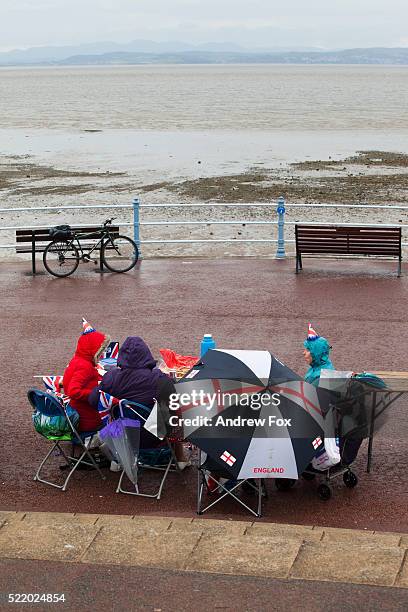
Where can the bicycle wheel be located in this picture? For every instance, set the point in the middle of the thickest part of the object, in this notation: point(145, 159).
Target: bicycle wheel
point(61, 258)
point(119, 254)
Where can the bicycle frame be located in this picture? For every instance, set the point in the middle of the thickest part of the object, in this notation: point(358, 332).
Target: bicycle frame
point(106, 235)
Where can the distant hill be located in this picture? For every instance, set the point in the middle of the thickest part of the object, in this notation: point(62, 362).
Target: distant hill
point(149, 52)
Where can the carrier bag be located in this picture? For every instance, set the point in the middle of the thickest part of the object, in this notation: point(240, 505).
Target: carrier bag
point(55, 427)
point(329, 455)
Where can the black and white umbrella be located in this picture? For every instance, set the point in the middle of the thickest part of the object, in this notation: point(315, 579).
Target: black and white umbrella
point(251, 414)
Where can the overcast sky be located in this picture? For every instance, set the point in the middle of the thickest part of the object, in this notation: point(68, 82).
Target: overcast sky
point(270, 23)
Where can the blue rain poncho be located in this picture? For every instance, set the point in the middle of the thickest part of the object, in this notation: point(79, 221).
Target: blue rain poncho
point(319, 349)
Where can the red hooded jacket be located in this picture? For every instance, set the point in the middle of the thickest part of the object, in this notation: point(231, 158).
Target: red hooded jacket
point(81, 376)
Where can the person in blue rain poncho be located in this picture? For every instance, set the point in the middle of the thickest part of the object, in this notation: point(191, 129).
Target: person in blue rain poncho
point(316, 353)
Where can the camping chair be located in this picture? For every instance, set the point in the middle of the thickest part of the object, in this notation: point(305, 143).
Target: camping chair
point(49, 405)
point(210, 471)
point(138, 411)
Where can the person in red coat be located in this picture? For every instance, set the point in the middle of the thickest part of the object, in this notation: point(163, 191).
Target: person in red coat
point(81, 376)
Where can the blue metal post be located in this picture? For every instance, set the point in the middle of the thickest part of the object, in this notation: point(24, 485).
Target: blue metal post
point(136, 224)
point(280, 251)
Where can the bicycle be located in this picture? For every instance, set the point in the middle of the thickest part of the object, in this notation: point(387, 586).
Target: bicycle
point(63, 254)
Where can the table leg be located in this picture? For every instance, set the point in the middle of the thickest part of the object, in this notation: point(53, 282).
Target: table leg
point(371, 434)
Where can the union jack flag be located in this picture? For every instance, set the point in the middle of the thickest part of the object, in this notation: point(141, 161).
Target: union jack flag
point(53, 383)
point(105, 405)
point(111, 351)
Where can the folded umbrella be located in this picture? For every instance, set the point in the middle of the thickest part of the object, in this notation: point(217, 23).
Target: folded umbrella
point(122, 437)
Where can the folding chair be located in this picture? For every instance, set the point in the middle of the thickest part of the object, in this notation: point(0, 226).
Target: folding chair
point(139, 411)
point(49, 405)
point(209, 471)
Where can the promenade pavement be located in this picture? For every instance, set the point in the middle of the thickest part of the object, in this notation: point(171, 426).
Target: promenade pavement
point(280, 564)
point(259, 304)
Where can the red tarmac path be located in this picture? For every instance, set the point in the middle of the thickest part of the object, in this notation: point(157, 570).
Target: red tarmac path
point(247, 303)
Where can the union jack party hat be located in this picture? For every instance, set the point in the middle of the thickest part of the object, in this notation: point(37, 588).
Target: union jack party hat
point(87, 328)
point(311, 333)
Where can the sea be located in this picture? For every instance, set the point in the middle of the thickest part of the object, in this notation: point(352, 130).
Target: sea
point(228, 116)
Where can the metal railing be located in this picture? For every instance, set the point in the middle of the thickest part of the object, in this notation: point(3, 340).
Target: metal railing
point(137, 222)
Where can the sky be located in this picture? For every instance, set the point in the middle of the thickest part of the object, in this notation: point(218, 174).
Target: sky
point(250, 23)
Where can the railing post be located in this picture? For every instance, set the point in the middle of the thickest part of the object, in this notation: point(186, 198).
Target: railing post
point(280, 251)
point(136, 224)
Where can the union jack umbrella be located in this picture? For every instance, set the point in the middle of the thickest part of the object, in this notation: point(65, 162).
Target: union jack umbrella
point(272, 421)
point(105, 405)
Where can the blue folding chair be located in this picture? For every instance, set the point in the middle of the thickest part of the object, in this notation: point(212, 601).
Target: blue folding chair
point(50, 406)
point(161, 458)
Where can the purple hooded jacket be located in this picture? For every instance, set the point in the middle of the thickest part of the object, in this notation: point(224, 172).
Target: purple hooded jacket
point(136, 378)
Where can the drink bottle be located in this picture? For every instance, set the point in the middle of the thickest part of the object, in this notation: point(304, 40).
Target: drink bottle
point(206, 343)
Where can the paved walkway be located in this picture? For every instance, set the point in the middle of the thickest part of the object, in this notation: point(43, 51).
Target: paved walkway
point(259, 304)
point(293, 552)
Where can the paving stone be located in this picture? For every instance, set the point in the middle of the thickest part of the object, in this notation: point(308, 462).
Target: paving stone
point(8, 517)
point(243, 555)
point(52, 541)
point(110, 519)
point(367, 538)
point(404, 540)
point(340, 562)
point(147, 524)
point(278, 530)
point(402, 579)
point(181, 520)
point(124, 545)
point(57, 518)
point(211, 526)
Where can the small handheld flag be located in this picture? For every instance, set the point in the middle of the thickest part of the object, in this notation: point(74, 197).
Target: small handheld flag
point(105, 405)
point(52, 383)
point(111, 351)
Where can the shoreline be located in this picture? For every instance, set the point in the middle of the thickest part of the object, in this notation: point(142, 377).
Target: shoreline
point(72, 169)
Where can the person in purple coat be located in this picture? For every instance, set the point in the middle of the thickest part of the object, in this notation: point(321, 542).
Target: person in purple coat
point(136, 378)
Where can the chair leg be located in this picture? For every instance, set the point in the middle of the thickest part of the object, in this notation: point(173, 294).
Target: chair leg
point(200, 489)
point(260, 497)
point(80, 460)
point(157, 494)
point(230, 492)
point(37, 476)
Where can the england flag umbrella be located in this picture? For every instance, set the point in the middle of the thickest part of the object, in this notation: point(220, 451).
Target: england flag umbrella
point(251, 414)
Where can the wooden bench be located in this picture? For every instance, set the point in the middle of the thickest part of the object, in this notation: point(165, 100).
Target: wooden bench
point(347, 240)
point(35, 240)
